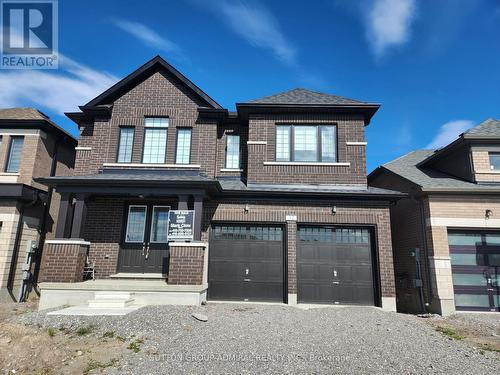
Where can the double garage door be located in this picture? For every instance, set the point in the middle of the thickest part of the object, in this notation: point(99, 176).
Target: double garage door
point(334, 265)
point(475, 265)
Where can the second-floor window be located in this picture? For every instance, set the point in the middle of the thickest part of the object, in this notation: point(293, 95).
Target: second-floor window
point(306, 143)
point(233, 152)
point(494, 161)
point(183, 147)
point(125, 144)
point(15, 153)
point(155, 140)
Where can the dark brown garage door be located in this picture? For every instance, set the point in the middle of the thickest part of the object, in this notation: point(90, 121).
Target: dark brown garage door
point(475, 264)
point(246, 263)
point(334, 265)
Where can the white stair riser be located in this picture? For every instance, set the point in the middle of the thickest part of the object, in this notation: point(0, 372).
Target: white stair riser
point(111, 295)
point(111, 303)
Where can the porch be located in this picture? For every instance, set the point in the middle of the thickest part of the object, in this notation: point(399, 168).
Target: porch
point(143, 292)
point(118, 227)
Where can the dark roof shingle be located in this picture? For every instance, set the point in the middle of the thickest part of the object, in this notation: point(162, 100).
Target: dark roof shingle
point(302, 96)
point(488, 128)
point(430, 179)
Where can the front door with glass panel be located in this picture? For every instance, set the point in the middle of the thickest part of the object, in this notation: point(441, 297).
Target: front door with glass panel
point(144, 247)
point(475, 264)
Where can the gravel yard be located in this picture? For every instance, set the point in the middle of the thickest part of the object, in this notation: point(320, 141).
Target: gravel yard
point(240, 338)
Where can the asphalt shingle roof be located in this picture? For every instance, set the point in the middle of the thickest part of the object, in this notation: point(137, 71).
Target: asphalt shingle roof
point(429, 179)
point(303, 96)
point(238, 185)
point(21, 114)
point(488, 128)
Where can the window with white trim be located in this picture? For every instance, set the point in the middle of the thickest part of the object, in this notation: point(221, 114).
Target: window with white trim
point(306, 143)
point(155, 140)
point(183, 147)
point(233, 151)
point(494, 161)
point(125, 145)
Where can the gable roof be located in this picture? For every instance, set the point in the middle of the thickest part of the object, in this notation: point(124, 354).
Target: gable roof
point(301, 96)
point(155, 64)
point(407, 167)
point(29, 118)
point(489, 128)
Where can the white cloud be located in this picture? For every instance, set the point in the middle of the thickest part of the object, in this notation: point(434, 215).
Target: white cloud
point(148, 36)
point(448, 132)
point(257, 25)
point(388, 23)
point(61, 90)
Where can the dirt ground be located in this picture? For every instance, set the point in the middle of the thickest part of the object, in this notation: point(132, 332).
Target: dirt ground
point(31, 350)
point(481, 330)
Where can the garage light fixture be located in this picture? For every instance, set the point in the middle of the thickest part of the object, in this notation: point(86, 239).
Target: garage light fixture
point(247, 208)
point(334, 210)
point(488, 214)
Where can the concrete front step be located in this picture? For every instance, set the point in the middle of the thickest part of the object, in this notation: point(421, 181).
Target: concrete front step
point(111, 303)
point(112, 295)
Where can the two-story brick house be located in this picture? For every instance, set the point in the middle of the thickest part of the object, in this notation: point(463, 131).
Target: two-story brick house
point(31, 146)
point(282, 211)
point(451, 216)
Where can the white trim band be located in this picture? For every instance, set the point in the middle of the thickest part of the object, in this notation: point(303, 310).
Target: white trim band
point(307, 163)
point(231, 170)
point(492, 171)
point(140, 165)
point(68, 242)
point(463, 222)
point(256, 142)
point(188, 244)
point(356, 143)
point(78, 148)
point(10, 174)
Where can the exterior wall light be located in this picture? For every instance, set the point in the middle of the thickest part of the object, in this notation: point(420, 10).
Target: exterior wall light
point(488, 214)
point(334, 210)
point(247, 208)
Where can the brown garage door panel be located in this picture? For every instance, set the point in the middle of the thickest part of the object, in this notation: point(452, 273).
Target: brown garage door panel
point(334, 266)
point(246, 263)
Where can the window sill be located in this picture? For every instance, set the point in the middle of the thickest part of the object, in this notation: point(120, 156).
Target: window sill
point(81, 148)
point(305, 163)
point(10, 174)
point(141, 165)
point(492, 171)
point(231, 170)
point(356, 143)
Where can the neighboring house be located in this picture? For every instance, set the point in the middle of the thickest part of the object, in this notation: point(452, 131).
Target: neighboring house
point(452, 215)
point(30, 146)
point(282, 211)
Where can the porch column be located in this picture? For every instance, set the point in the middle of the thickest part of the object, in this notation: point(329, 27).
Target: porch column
point(198, 216)
point(183, 202)
point(62, 217)
point(79, 216)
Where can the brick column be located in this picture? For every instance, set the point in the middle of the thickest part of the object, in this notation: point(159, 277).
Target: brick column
point(186, 263)
point(63, 261)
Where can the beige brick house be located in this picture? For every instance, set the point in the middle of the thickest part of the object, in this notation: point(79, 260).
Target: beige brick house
point(452, 216)
point(30, 146)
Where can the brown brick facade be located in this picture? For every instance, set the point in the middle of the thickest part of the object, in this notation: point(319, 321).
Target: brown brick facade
point(63, 262)
point(186, 264)
point(350, 128)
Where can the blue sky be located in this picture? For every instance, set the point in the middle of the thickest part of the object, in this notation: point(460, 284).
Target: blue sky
point(433, 65)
